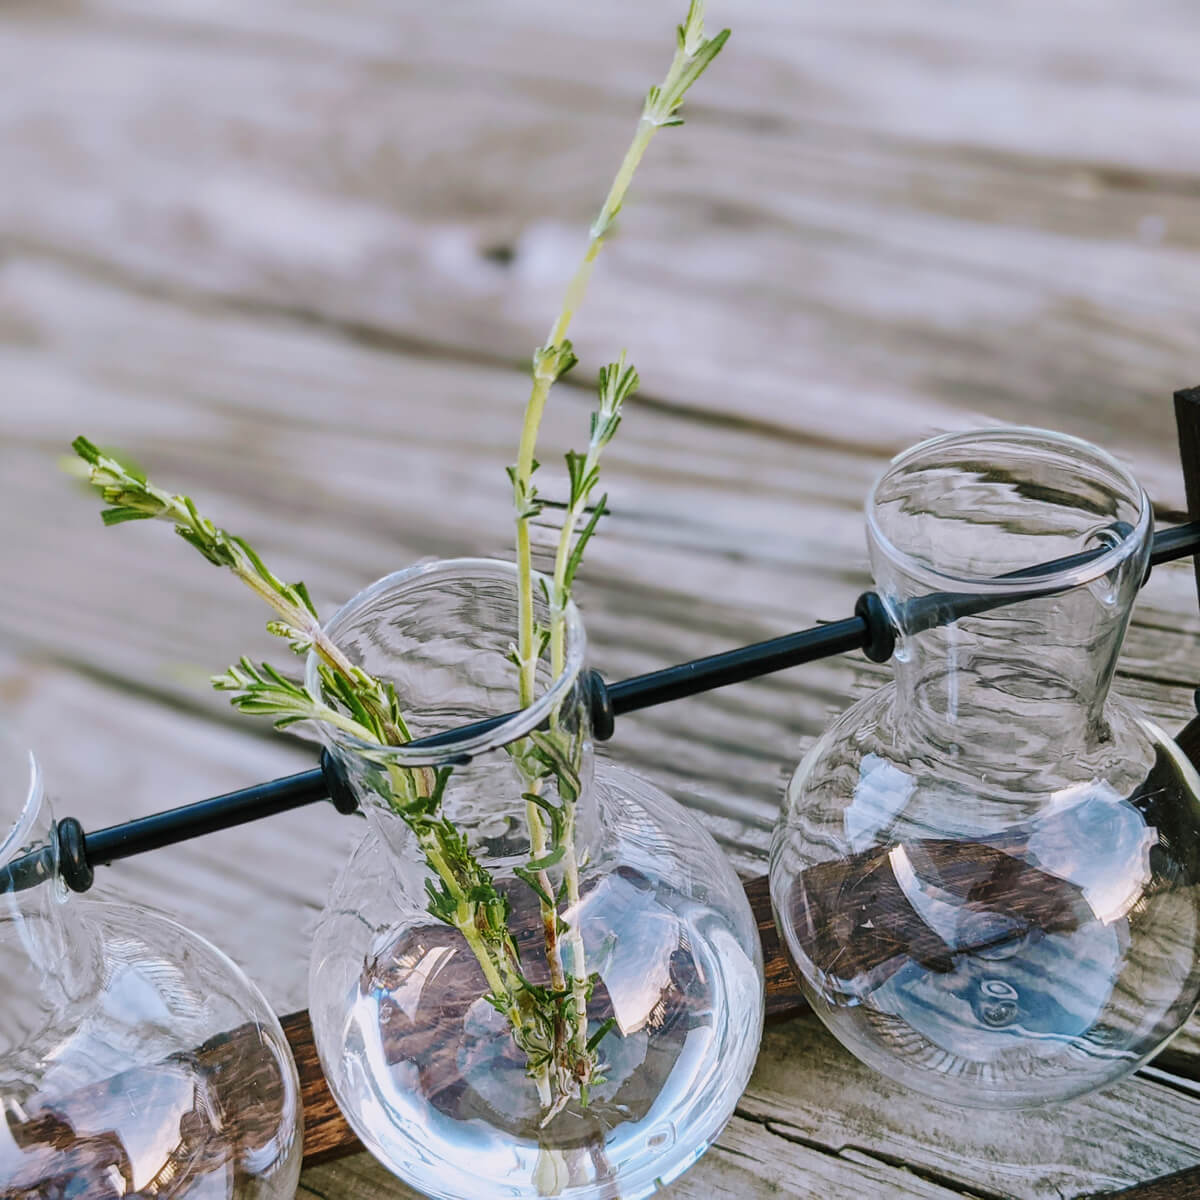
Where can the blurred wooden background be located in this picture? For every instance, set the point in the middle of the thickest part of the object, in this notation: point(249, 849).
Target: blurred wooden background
point(293, 257)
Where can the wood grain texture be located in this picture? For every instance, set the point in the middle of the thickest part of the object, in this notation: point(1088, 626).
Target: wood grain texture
point(1183, 1185)
point(292, 257)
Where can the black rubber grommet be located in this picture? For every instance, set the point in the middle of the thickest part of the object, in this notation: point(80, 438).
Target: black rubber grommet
point(880, 642)
point(604, 720)
point(73, 864)
point(1123, 530)
point(341, 795)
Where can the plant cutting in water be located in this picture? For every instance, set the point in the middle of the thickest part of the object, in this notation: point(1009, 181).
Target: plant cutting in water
point(548, 1021)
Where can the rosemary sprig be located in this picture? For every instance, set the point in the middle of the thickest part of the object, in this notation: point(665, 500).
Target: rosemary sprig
point(465, 895)
point(617, 382)
point(132, 497)
point(560, 755)
point(555, 358)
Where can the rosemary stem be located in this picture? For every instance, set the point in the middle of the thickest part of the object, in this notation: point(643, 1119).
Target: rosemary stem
point(544, 378)
point(466, 925)
point(579, 974)
point(537, 840)
point(551, 360)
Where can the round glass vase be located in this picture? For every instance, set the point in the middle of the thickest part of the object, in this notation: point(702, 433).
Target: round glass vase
point(986, 872)
point(135, 1058)
point(533, 978)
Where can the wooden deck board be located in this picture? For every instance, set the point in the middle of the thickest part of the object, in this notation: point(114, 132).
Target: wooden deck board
point(292, 256)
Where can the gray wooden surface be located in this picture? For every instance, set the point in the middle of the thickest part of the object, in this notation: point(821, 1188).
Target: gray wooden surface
point(291, 256)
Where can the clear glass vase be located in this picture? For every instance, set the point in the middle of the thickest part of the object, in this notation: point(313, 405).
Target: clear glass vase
point(135, 1058)
point(579, 1025)
point(986, 873)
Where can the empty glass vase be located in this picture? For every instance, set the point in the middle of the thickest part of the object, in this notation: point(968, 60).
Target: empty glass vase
point(533, 978)
point(986, 872)
point(135, 1058)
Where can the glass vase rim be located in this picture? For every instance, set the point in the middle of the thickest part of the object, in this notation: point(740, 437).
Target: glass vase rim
point(518, 724)
point(14, 833)
point(1130, 543)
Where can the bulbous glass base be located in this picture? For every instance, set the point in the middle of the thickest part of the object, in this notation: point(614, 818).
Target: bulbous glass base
point(427, 1072)
point(999, 937)
point(166, 1076)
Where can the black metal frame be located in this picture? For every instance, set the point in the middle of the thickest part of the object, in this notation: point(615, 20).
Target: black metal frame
point(870, 629)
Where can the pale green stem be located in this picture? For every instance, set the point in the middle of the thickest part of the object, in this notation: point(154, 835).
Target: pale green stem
point(646, 128)
point(549, 912)
point(570, 859)
point(534, 411)
point(544, 376)
point(574, 937)
point(304, 622)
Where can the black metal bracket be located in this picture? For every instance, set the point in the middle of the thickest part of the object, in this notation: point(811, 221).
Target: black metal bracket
point(870, 630)
point(1187, 428)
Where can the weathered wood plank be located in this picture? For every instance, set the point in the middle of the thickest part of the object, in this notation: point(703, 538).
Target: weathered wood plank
point(1182, 1185)
point(731, 1170)
point(848, 281)
point(814, 1122)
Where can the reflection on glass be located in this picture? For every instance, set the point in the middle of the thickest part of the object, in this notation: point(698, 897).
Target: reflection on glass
point(135, 1059)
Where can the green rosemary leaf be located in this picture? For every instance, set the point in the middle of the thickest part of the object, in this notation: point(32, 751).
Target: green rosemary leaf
point(256, 562)
point(582, 474)
point(551, 363)
point(582, 540)
point(302, 592)
point(202, 544)
point(707, 52)
point(547, 860)
point(553, 811)
point(601, 1033)
point(441, 778)
point(115, 516)
point(340, 687)
point(86, 450)
point(530, 877)
point(442, 905)
point(559, 760)
point(284, 722)
point(693, 26)
point(575, 465)
point(201, 526)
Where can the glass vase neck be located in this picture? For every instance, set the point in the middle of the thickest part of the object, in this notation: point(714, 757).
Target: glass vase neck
point(971, 517)
point(442, 634)
point(46, 959)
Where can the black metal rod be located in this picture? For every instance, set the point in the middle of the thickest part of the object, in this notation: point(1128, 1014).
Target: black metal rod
point(737, 666)
point(205, 816)
point(865, 630)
